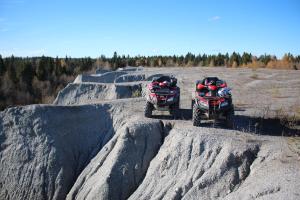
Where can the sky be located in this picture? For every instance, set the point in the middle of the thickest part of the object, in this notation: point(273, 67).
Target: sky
point(148, 27)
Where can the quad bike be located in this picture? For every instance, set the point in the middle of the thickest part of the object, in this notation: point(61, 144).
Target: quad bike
point(212, 101)
point(163, 95)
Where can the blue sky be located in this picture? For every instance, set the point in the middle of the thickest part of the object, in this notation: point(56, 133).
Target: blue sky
point(144, 27)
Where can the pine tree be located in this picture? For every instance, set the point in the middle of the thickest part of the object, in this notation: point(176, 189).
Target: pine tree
point(2, 66)
point(41, 69)
point(246, 58)
point(235, 59)
point(11, 70)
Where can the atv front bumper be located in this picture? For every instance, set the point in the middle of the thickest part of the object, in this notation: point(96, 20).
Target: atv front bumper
point(214, 112)
point(161, 102)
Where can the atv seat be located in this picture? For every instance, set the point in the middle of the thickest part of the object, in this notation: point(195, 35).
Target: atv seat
point(171, 80)
point(162, 79)
point(208, 80)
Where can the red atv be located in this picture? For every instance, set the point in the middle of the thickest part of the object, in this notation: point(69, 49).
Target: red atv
point(212, 100)
point(163, 95)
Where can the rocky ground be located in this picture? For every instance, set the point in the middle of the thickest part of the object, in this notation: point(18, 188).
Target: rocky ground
point(94, 142)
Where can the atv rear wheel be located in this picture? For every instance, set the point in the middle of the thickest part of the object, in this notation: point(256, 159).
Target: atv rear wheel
point(196, 116)
point(175, 113)
point(174, 110)
point(177, 104)
point(148, 109)
point(229, 119)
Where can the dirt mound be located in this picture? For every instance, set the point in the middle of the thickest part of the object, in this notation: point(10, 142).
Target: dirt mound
point(133, 77)
point(83, 93)
point(107, 77)
point(44, 148)
point(130, 78)
point(102, 71)
point(131, 69)
point(108, 86)
point(209, 164)
point(120, 166)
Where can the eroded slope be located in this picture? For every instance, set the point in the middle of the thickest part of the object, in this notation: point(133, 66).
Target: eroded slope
point(206, 163)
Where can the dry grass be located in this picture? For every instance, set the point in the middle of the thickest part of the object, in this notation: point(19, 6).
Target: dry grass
point(136, 93)
point(281, 64)
point(287, 120)
point(297, 111)
point(294, 145)
point(255, 64)
point(278, 120)
point(254, 76)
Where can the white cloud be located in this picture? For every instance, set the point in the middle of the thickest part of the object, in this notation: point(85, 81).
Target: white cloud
point(214, 18)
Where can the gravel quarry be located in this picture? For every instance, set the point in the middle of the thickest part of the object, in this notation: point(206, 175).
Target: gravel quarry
point(94, 142)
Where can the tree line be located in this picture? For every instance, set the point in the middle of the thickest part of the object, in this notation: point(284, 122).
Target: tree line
point(38, 79)
point(288, 61)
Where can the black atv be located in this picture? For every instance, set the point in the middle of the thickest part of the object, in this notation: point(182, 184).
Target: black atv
point(212, 101)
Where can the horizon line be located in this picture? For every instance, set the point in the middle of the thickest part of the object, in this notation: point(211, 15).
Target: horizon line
point(152, 55)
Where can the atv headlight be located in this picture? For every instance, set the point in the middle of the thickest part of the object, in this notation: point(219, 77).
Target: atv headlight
point(170, 99)
point(172, 92)
point(225, 103)
point(152, 91)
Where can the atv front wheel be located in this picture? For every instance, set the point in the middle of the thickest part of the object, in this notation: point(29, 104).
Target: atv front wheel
point(148, 109)
point(196, 116)
point(192, 104)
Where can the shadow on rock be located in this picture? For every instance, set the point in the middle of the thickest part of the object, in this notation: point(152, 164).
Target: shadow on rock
point(184, 114)
point(269, 126)
point(257, 125)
